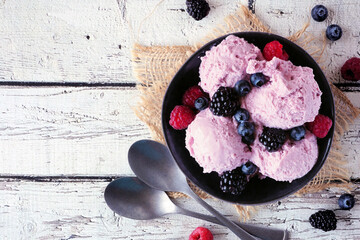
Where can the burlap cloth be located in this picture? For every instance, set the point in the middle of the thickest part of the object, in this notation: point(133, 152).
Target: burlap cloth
point(155, 66)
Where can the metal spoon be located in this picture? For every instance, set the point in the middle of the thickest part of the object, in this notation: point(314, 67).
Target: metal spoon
point(154, 165)
point(131, 198)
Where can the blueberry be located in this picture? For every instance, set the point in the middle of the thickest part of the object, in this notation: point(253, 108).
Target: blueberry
point(246, 129)
point(242, 87)
point(346, 201)
point(248, 168)
point(201, 103)
point(297, 133)
point(258, 79)
point(241, 115)
point(319, 13)
point(333, 32)
point(248, 139)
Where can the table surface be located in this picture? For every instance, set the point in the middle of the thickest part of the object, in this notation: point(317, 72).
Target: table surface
point(66, 119)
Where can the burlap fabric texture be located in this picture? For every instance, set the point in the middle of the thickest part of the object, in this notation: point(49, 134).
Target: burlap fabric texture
point(155, 66)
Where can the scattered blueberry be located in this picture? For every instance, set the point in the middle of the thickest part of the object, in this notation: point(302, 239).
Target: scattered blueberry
point(297, 133)
point(258, 79)
point(346, 201)
point(241, 115)
point(248, 168)
point(248, 139)
point(319, 13)
point(333, 32)
point(246, 129)
point(242, 87)
point(201, 103)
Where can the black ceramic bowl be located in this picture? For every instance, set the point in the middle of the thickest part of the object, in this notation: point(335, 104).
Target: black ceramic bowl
point(258, 191)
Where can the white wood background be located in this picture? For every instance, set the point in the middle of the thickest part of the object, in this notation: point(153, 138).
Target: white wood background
point(61, 144)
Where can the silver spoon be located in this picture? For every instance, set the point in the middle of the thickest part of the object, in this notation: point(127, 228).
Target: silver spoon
point(131, 198)
point(154, 165)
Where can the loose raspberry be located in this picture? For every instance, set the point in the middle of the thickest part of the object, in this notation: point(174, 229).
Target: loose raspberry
point(320, 126)
point(181, 116)
point(201, 233)
point(191, 95)
point(274, 49)
point(351, 69)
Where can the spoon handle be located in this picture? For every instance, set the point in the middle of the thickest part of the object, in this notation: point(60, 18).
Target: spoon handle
point(241, 233)
point(264, 233)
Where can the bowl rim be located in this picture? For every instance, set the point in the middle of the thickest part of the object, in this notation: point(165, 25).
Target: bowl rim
point(330, 135)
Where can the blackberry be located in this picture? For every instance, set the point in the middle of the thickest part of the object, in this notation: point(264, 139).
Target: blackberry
point(224, 102)
point(233, 182)
point(272, 138)
point(324, 220)
point(198, 9)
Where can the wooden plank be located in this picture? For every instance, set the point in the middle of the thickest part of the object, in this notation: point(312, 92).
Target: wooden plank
point(83, 131)
point(67, 131)
point(63, 41)
point(65, 210)
point(89, 41)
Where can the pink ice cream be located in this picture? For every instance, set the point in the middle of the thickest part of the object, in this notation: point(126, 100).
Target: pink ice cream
point(290, 98)
point(292, 161)
point(215, 144)
point(225, 64)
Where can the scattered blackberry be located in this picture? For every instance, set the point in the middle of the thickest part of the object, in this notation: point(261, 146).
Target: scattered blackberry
point(324, 220)
point(233, 182)
point(272, 138)
point(224, 102)
point(198, 9)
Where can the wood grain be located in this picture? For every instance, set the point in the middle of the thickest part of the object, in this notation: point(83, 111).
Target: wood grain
point(67, 131)
point(65, 210)
point(83, 132)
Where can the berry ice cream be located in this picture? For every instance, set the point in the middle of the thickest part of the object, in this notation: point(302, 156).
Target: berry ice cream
point(290, 98)
point(214, 143)
point(226, 63)
point(256, 116)
point(292, 161)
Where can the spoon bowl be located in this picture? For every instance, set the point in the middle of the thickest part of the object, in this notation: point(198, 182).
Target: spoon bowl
point(131, 198)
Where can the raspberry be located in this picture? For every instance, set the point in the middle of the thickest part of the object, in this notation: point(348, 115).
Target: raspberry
point(351, 69)
point(181, 116)
point(191, 95)
point(201, 233)
point(274, 49)
point(198, 9)
point(324, 220)
point(320, 126)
